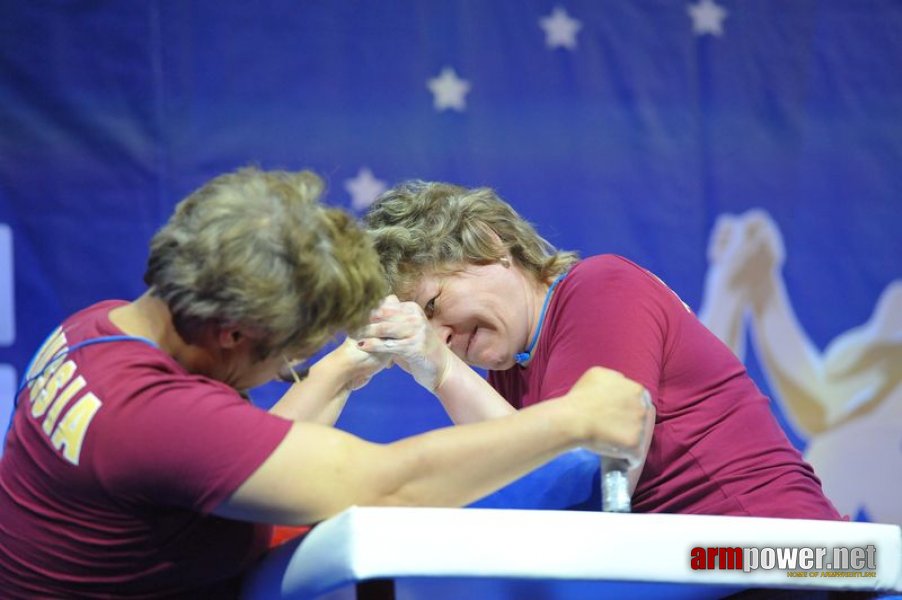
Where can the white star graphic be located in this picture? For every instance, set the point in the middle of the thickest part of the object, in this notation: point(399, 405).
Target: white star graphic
point(707, 17)
point(364, 189)
point(560, 29)
point(449, 90)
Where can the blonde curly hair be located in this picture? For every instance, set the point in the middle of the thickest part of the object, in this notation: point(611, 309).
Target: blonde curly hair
point(256, 248)
point(421, 227)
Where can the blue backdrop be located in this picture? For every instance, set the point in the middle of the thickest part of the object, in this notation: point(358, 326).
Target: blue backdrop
point(615, 126)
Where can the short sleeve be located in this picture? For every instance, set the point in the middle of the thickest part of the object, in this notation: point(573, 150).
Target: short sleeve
point(610, 313)
point(189, 443)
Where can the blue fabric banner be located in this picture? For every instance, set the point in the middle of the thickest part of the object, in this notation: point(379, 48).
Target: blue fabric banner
point(718, 143)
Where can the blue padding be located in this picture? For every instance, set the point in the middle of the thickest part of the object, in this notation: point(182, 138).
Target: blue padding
point(570, 482)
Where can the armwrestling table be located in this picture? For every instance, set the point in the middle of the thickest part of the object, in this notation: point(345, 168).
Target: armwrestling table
point(477, 553)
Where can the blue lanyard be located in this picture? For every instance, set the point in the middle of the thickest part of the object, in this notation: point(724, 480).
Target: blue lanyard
point(26, 381)
point(522, 357)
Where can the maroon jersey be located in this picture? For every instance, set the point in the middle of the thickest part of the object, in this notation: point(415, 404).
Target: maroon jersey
point(717, 447)
point(116, 458)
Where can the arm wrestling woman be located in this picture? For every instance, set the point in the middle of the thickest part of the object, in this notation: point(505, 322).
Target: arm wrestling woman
point(480, 286)
point(136, 467)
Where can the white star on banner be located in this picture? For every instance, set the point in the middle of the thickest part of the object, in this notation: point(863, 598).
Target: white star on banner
point(364, 189)
point(560, 29)
point(707, 17)
point(449, 90)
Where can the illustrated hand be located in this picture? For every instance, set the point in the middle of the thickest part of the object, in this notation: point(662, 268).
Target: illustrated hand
point(765, 240)
point(400, 331)
point(744, 251)
point(725, 238)
point(617, 413)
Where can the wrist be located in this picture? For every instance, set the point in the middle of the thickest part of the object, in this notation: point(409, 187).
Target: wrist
point(448, 370)
point(337, 368)
point(764, 292)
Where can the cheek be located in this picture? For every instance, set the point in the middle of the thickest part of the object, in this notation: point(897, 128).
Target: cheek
point(496, 353)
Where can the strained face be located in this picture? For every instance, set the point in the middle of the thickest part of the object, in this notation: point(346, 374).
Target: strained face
point(485, 313)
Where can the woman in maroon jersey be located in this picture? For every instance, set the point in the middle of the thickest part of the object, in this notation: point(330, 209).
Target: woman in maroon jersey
point(481, 287)
point(135, 467)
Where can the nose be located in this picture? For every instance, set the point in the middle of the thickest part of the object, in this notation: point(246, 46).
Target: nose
point(444, 333)
point(454, 340)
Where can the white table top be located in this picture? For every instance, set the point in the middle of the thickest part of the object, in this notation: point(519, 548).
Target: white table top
point(500, 552)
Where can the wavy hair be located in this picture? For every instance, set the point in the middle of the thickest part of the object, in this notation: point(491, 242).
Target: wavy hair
point(256, 248)
point(421, 227)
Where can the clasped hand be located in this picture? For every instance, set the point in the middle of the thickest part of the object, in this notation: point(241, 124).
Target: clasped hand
point(401, 331)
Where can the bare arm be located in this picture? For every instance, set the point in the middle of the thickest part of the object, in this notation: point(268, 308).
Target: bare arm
point(746, 254)
point(322, 394)
point(791, 362)
point(858, 371)
point(724, 301)
point(648, 427)
point(723, 312)
point(400, 330)
point(467, 396)
point(817, 395)
point(317, 471)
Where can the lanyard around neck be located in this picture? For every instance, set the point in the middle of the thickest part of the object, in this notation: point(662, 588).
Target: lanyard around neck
point(65, 351)
point(522, 358)
point(60, 354)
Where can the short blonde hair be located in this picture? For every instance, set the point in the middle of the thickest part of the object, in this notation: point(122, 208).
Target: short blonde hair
point(256, 248)
point(421, 227)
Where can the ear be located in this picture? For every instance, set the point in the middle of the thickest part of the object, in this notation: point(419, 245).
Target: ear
point(230, 336)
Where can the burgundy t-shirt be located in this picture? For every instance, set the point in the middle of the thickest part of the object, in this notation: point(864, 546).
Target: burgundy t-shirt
point(717, 448)
point(109, 476)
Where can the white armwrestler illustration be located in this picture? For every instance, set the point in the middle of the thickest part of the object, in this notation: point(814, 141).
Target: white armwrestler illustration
point(847, 400)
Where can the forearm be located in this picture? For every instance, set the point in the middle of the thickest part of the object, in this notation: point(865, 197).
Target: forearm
point(723, 313)
point(791, 361)
point(468, 397)
point(322, 410)
point(635, 473)
point(317, 472)
point(457, 466)
point(319, 397)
